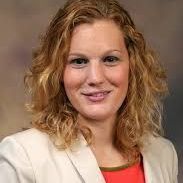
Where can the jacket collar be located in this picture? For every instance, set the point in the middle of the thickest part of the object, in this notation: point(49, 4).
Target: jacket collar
point(85, 162)
point(86, 165)
point(153, 169)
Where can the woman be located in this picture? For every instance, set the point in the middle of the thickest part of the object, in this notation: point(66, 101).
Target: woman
point(96, 102)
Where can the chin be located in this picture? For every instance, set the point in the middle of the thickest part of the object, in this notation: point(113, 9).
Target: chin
point(98, 116)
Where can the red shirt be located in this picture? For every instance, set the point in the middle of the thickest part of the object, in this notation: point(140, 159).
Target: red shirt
point(130, 174)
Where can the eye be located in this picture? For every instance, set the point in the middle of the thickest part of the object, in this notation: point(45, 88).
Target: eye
point(111, 60)
point(78, 62)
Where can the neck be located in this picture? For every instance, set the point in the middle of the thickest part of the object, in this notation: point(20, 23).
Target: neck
point(102, 130)
point(102, 146)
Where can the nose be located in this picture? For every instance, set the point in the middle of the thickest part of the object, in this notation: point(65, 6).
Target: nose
point(95, 73)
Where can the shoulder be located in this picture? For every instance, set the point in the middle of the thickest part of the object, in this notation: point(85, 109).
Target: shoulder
point(15, 163)
point(28, 139)
point(158, 145)
point(29, 155)
point(31, 135)
point(32, 142)
point(27, 146)
point(160, 152)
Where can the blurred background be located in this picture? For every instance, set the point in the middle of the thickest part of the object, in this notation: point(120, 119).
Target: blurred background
point(22, 22)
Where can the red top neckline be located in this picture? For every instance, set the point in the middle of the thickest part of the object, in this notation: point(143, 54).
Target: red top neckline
point(131, 173)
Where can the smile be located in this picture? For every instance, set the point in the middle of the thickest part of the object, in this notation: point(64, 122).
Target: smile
point(96, 96)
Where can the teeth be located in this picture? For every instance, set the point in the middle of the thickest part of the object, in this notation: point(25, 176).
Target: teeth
point(99, 94)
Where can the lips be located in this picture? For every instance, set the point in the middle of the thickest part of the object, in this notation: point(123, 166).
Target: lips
point(96, 96)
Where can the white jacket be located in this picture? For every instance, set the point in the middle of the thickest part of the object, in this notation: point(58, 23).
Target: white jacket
point(30, 157)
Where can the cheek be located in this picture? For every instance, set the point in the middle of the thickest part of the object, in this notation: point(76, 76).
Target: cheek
point(119, 77)
point(73, 79)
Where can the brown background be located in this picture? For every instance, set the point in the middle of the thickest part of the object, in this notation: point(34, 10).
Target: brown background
point(21, 23)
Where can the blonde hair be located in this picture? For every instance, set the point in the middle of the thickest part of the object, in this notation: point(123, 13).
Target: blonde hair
point(53, 113)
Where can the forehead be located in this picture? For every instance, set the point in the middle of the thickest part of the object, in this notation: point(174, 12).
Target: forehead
point(102, 34)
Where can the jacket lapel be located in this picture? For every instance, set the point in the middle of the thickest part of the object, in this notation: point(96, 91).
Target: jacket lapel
point(153, 169)
point(84, 162)
point(86, 165)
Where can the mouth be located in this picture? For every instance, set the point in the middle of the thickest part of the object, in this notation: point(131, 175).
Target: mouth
point(96, 96)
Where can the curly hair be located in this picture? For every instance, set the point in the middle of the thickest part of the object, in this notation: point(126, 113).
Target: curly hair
point(53, 113)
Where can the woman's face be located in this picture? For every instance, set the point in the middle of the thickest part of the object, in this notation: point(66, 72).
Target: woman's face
point(97, 69)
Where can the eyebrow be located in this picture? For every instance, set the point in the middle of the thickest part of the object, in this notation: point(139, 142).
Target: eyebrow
point(83, 55)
